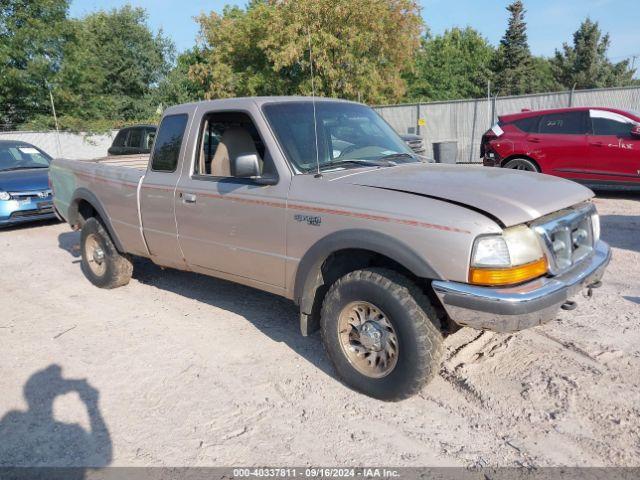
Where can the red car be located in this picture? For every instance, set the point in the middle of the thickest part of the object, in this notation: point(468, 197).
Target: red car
point(599, 147)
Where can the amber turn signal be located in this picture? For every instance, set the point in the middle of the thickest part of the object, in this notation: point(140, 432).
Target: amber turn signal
point(508, 276)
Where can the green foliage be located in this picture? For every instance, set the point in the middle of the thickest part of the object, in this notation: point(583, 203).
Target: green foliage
point(513, 65)
point(109, 69)
point(33, 35)
point(454, 65)
point(178, 87)
point(111, 66)
point(359, 48)
point(102, 69)
point(542, 76)
point(585, 63)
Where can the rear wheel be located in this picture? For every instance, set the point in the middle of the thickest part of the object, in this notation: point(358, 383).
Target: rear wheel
point(381, 334)
point(102, 264)
point(522, 164)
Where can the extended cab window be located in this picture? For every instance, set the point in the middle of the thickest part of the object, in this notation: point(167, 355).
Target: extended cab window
point(223, 137)
point(569, 123)
point(168, 143)
point(610, 123)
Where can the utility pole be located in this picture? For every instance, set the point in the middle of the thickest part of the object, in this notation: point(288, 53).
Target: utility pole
point(489, 119)
point(55, 119)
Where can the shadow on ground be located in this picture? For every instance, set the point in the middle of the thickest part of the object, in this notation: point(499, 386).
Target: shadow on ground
point(33, 438)
point(274, 316)
point(622, 231)
point(622, 194)
point(28, 225)
point(632, 299)
point(70, 241)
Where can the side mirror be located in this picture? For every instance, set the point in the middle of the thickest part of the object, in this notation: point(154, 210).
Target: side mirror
point(246, 166)
point(635, 131)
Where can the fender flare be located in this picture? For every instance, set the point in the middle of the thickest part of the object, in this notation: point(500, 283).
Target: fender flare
point(73, 214)
point(309, 276)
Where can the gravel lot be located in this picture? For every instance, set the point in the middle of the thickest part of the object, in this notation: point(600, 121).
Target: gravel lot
point(184, 370)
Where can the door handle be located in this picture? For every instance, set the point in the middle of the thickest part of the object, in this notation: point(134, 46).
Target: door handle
point(596, 144)
point(534, 140)
point(188, 197)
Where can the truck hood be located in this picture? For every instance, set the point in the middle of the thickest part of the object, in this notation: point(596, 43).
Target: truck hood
point(24, 180)
point(510, 196)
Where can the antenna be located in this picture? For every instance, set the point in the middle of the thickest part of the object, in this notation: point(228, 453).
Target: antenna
point(313, 101)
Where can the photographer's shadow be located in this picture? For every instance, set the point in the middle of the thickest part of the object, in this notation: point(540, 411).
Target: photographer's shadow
point(33, 438)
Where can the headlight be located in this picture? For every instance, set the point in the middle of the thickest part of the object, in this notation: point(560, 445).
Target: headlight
point(595, 225)
point(4, 195)
point(513, 257)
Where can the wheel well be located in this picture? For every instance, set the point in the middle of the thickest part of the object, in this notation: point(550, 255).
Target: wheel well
point(526, 157)
point(85, 212)
point(338, 264)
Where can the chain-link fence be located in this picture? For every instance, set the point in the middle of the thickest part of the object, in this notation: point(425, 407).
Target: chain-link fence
point(465, 121)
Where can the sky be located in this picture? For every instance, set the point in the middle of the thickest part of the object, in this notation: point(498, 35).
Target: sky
point(550, 22)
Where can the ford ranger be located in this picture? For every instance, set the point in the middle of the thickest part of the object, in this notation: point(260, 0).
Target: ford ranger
point(320, 201)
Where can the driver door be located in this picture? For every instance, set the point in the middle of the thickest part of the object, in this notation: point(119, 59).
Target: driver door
point(229, 225)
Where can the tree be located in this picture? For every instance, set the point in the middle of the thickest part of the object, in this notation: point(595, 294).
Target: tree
point(542, 76)
point(33, 35)
point(359, 48)
point(585, 64)
point(513, 63)
point(178, 87)
point(454, 65)
point(111, 67)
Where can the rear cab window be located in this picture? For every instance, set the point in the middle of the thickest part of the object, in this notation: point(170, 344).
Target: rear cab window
point(168, 143)
point(135, 138)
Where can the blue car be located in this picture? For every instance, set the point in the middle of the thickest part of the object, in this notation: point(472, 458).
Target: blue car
point(25, 195)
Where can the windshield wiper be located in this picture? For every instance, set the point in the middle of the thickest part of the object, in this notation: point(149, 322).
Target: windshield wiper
point(358, 162)
point(393, 156)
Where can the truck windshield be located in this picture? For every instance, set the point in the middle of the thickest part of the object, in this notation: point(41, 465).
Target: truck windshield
point(349, 135)
point(22, 157)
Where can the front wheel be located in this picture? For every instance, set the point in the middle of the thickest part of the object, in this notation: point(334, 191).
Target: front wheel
point(381, 334)
point(522, 164)
point(102, 264)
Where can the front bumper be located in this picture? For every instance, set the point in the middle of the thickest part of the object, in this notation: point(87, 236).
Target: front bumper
point(13, 212)
point(523, 306)
point(491, 159)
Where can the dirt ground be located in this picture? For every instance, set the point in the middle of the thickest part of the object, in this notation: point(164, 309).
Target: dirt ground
point(178, 369)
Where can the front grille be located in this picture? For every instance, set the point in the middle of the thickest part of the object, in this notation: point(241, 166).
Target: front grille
point(33, 195)
point(567, 237)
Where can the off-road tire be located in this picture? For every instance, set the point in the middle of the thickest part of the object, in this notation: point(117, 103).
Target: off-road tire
point(117, 268)
point(523, 164)
point(413, 317)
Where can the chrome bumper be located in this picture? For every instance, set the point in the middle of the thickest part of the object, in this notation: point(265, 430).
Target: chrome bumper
point(523, 306)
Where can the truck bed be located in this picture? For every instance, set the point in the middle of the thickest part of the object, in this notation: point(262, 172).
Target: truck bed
point(114, 182)
point(137, 162)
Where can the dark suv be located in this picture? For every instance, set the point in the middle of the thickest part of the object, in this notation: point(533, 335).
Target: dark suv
point(137, 139)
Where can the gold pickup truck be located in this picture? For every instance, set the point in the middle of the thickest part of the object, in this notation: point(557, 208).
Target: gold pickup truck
point(321, 202)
